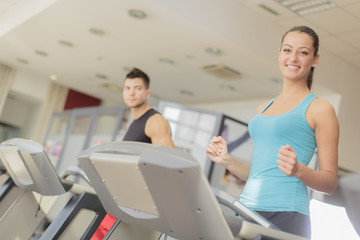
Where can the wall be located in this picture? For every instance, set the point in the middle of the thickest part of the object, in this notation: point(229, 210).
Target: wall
point(33, 86)
point(24, 116)
point(77, 99)
point(344, 79)
point(23, 104)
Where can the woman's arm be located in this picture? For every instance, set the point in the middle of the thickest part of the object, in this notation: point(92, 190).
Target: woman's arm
point(321, 116)
point(218, 153)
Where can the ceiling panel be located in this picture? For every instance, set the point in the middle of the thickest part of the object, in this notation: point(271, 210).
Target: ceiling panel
point(297, 21)
point(354, 9)
point(353, 59)
point(344, 2)
point(247, 35)
point(335, 21)
point(352, 38)
point(335, 45)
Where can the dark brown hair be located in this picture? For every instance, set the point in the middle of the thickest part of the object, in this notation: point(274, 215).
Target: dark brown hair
point(137, 73)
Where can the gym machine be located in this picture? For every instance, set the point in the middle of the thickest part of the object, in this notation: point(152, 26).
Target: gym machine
point(165, 191)
point(32, 171)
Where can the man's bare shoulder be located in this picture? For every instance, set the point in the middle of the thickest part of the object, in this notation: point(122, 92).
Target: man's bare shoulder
point(156, 122)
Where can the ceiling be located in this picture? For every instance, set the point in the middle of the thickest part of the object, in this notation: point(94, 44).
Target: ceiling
point(56, 37)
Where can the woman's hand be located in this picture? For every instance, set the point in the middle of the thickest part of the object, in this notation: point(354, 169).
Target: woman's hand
point(287, 161)
point(217, 150)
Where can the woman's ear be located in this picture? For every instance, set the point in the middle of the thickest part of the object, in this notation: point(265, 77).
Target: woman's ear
point(316, 60)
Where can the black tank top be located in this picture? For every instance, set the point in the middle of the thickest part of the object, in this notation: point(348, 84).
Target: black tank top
point(136, 131)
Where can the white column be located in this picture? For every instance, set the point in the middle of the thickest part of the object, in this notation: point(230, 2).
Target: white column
point(54, 102)
point(7, 75)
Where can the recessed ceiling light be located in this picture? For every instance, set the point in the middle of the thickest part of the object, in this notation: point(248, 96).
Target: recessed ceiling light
point(213, 51)
point(97, 31)
point(53, 77)
point(127, 69)
point(21, 60)
point(66, 43)
point(186, 92)
point(101, 76)
point(41, 53)
point(166, 61)
point(112, 87)
point(304, 7)
point(137, 14)
point(228, 87)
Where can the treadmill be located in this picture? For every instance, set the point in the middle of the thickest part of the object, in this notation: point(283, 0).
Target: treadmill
point(32, 171)
point(164, 190)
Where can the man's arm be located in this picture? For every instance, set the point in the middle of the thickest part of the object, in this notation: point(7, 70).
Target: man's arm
point(157, 128)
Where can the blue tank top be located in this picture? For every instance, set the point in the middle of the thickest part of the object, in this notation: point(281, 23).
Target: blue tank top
point(267, 188)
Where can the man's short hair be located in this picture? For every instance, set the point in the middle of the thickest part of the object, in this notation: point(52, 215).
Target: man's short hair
point(137, 73)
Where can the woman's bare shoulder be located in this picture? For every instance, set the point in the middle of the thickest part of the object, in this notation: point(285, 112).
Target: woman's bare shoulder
point(261, 106)
point(321, 106)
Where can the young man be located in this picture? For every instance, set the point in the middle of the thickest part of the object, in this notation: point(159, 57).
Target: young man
point(149, 126)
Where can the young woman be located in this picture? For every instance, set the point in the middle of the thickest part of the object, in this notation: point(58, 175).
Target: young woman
point(286, 131)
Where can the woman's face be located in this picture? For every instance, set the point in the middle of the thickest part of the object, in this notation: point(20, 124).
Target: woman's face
point(296, 56)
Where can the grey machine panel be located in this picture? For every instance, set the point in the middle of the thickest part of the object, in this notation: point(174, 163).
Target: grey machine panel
point(165, 190)
point(149, 185)
point(30, 167)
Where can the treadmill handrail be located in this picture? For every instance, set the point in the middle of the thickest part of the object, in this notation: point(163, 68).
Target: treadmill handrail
point(246, 213)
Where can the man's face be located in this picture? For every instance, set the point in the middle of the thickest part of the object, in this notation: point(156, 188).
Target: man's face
point(135, 94)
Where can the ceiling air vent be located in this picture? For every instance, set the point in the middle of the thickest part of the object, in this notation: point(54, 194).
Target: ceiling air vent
point(221, 71)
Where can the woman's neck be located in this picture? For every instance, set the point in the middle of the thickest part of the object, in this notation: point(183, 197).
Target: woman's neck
point(294, 90)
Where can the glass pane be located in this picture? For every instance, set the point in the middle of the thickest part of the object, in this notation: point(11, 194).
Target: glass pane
point(125, 123)
point(8, 131)
point(189, 117)
point(104, 129)
point(240, 147)
point(56, 136)
point(171, 113)
point(207, 122)
point(75, 143)
point(191, 131)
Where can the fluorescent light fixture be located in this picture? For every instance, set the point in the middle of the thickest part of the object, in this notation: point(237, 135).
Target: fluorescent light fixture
point(269, 9)
point(305, 7)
